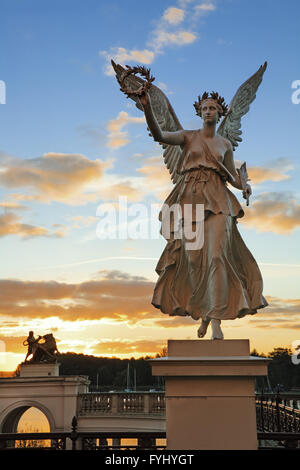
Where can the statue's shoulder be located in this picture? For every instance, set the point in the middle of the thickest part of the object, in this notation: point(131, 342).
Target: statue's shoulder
point(189, 133)
point(225, 142)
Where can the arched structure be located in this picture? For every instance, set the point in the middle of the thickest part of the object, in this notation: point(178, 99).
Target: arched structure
point(11, 416)
point(62, 397)
point(40, 386)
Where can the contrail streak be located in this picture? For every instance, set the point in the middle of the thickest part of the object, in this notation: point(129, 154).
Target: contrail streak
point(96, 260)
point(141, 258)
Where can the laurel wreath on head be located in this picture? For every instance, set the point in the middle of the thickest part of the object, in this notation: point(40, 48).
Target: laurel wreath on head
point(133, 71)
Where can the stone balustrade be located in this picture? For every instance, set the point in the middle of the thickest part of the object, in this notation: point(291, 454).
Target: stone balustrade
point(121, 403)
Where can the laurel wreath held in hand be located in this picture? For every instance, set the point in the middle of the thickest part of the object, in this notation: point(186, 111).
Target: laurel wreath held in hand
point(133, 71)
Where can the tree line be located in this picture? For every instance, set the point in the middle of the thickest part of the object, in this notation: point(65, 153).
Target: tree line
point(112, 373)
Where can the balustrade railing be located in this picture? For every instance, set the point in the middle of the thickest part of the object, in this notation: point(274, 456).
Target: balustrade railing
point(95, 402)
point(121, 403)
point(276, 421)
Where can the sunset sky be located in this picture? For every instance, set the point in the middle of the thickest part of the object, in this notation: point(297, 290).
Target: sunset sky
point(70, 141)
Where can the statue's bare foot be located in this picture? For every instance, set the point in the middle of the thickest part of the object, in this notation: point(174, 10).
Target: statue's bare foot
point(203, 328)
point(216, 329)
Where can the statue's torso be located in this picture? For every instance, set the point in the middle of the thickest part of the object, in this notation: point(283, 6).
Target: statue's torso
point(194, 155)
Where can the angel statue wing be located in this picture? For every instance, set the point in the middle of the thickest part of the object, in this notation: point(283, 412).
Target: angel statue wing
point(164, 114)
point(239, 106)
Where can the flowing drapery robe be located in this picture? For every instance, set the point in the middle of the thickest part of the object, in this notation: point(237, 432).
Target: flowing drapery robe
point(220, 280)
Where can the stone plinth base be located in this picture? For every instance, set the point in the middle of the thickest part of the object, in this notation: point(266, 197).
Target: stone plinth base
point(210, 402)
point(39, 369)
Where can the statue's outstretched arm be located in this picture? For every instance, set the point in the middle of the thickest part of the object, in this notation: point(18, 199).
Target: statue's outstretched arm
point(164, 137)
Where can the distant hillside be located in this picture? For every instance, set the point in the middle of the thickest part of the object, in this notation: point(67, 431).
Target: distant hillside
point(112, 372)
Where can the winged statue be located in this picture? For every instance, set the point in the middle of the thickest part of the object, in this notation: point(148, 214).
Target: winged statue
point(221, 279)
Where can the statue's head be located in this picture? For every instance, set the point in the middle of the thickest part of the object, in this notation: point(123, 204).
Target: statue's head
point(211, 107)
point(30, 333)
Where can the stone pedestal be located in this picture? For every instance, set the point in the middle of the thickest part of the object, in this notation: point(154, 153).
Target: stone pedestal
point(210, 402)
point(39, 369)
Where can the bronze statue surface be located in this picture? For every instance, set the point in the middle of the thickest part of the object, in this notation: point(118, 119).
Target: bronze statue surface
point(41, 352)
point(221, 279)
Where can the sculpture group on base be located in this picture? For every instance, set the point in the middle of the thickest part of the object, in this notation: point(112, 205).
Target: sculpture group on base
point(41, 352)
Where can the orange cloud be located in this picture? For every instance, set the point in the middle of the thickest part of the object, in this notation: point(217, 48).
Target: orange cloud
point(10, 225)
point(280, 313)
point(259, 174)
point(156, 177)
point(12, 205)
point(117, 347)
point(273, 212)
point(111, 190)
point(116, 137)
point(113, 295)
point(14, 344)
point(125, 346)
point(84, 221)
point(52, 177)
point(274, 170)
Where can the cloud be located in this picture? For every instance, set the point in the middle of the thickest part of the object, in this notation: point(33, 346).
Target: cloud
point(14, 344)
point(124, 56)
point(173, 15)
point(273, 212)
point(280, 308)
point(112, 295)
point(22, 197)
point(204, 8)
point(280, 313)
point(10, 224)
point(118, 346)
point(124, 188)
point(125, 346)
point(168, 31)
point(116, 137)
point(165, 38)
point(156, 177)
point(84, 221)
point(12, 205)
point(258, 174)
point(275, 170)
point(53, 176)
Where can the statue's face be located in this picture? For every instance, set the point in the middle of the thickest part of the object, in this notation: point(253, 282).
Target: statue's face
point(209, 111)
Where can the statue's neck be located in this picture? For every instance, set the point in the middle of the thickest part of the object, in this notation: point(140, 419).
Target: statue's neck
point(209, 130)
